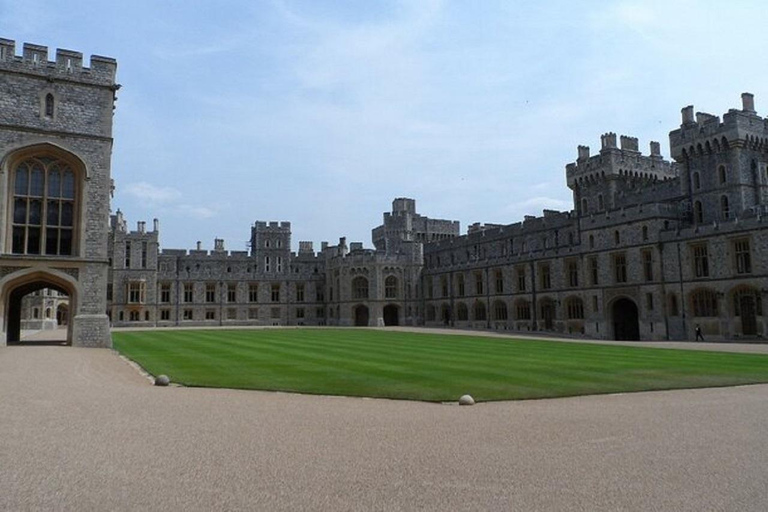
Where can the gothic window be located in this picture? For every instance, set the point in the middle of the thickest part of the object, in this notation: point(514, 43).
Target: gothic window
point(444, 286)
point(460, 285)
point(704, 303)
point(574, 308)
point(165, 292)
point(648, 265)
point(573, 274)
point(645, 233)
point(521, 279)
point(499, 310)
point(593, 268)
point(698, 212)
point(480, 310)
point(696, 181)
point(724, 209)
point(584, 208)
point(721, 174)
point(673, 309)
point(135, 292)
point(743, 257)
point(620, 267)
point(143, 254)
point(44, 207)
point(591, 241)
point(275, 293)
point(545, 278)
point(479, 283)
point(616, 238)
point(360, 288)
point(127, 254)
point(49, 104)
point(700, 260)
point(253, 292)
point(232, 292)
point(499, 281)
point(600, 205)
point(210, 292)
point(462, 314)
point(188, 294)
point(390, 287)
point(299, 292)
point(523, 310)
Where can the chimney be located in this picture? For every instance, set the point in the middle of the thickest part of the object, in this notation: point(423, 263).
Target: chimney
point(583, 153)
point(156, 225)
point(655, 149)
point(748, 102)
point(141, 226)
point(688, 114)
point(199, 245)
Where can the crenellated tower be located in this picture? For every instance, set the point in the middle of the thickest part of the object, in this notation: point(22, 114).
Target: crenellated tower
point(599, 182)
point(723, 164)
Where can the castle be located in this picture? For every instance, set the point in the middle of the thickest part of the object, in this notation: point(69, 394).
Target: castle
point(652, 249)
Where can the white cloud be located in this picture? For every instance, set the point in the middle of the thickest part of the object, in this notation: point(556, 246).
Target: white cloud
point(197, 212)
point(152, 193)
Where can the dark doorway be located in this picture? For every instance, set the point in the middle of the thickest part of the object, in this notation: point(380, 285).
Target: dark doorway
point(14, 313)
point(626, 326)
point(391, 315)
point(445, 314)
point(748, 314)
point(548, 315)
point(361, 316)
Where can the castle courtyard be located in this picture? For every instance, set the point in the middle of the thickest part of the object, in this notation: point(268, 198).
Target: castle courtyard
point(86, 431)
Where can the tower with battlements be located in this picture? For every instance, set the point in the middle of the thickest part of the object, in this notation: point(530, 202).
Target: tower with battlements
point(55, 152)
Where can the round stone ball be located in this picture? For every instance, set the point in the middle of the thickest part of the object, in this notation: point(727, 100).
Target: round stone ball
point(466, 400)
point(162, 380)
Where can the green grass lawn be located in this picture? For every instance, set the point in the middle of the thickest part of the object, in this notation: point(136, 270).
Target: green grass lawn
point(432, 367)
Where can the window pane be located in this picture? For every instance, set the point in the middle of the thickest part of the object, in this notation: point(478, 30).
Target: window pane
point(33, 240)
point(35, 212)
point(53, 213)
point(20, 211)
point(51, 241)
point(68, 185)
point(54, 183)
point(66, 214)
point(22, 177)
point(18, 240)
point(65, 247)
point(36, 181)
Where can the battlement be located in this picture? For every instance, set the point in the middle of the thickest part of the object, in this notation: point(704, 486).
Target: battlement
point(706, 134)
point(67, 65)
point(614, 162)
point(272, 226)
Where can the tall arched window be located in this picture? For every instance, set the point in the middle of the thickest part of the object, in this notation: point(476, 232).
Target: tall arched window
point(480, 310)
point(696, 181)
point(584, 208)
point(461, 312)
point(725, 211)
point(49, 103)
point(575, 308)
point(698, 212)
point(390, 287)
point(44, 207)
point(721, 174)
point(360, 288)
point(499, 310)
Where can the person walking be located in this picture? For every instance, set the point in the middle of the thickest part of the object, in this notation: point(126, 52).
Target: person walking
point(699, 336)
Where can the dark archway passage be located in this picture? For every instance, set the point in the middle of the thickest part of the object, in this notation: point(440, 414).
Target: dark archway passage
point(548, 315)
point(361, 316)
point(391, 315)
point(14, 311)
point(626, 325)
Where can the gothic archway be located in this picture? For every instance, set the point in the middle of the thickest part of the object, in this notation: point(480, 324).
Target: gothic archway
point(391, 315)
point(361, 316)
point(626, 324)
point(17, 289)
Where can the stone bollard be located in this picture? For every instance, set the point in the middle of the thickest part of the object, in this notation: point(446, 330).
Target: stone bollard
point(466, 400)
point(162, 380)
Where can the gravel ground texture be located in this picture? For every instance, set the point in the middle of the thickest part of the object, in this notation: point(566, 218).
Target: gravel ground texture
point(84, 430)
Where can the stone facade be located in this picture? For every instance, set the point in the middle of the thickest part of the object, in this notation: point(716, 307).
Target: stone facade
point(55, 184)
point(652, 249)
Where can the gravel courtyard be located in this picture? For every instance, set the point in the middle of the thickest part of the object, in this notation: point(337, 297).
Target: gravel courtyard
point(83, 430)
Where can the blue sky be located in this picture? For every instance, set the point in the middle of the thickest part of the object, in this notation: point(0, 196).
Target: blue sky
point(322, 112)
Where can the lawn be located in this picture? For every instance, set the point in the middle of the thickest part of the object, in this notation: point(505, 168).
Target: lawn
point(431, 367)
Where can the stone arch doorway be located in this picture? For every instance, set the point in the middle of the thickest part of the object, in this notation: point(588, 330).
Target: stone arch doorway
point(391, 315)
point(361, 316)
point(548, 314)
point(626, 324)
point(15, 290)
point(62, 315)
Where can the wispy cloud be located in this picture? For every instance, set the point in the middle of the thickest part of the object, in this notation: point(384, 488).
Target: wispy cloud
point(148, 192)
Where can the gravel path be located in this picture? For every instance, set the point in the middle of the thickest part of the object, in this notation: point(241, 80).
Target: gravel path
point(82, 430)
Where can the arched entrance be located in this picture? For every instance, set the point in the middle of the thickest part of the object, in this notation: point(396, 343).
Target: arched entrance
point(62, 315)
point(17, 289)
point(445, 314)
point(548, 314)
point(361, 316)
point(391, 315)
point(626, 325)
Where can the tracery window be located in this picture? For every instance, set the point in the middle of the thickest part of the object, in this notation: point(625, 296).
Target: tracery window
point(390, 287)
point(44, 206)
point(704, 303)
point(575, 308)
point(360, 288)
